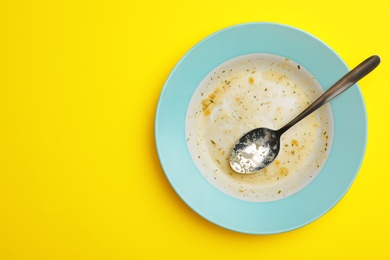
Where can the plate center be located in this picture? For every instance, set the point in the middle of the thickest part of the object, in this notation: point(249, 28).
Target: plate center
point(250, 91)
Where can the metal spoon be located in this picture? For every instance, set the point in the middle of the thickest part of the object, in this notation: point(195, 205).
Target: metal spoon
point(259, 147)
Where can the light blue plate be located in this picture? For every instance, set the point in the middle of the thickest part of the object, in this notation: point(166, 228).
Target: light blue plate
point(350, 132)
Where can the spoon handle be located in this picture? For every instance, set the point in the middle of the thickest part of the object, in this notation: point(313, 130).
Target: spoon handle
point(340, 86)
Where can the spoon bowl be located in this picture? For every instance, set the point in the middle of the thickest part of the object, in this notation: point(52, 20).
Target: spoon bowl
point(259, 147)
point(255, 150)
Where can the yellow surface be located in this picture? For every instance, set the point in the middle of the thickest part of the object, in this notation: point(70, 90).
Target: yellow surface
point(79, 85)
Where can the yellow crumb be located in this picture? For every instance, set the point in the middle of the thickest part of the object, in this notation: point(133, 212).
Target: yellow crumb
point(283, 171)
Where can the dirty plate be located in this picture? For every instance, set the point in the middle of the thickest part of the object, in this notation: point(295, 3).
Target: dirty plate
point(295, 211)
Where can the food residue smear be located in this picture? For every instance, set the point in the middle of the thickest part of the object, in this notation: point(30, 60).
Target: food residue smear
point(250, 91)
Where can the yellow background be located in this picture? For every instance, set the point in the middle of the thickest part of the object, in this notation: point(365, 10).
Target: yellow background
point(79, 173)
